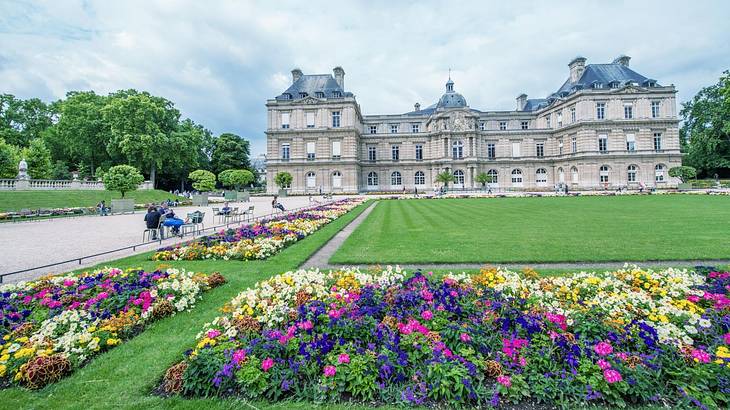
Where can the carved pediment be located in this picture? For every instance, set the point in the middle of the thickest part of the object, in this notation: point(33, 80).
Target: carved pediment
point(310, 100)
point(629, 89)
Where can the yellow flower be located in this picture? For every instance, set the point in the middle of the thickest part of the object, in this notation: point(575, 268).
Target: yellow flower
point(723, 352)
point(3, 368)
point(92, 328)
point(25, 352)
point(4, 358)
point(112, 342)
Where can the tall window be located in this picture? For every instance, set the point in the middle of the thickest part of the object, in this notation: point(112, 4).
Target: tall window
point(541, 176)
point(419, 152)
point(525, 125)
point(457, 150)
point(540, 149)
point(630, 142)
point(310, 119)
point(572, 115)
point(311, 180)
point(493, 176)
point(560, 119)
point(628, 111)
point(659, 171)
point(603, 174)
point(657, 141)
point(482, 125)
point(560, 147)
point(285, 151)
point(631, 173)
point(516, 177)
point(654, 109)
point(372, 156)
point(547, 121)
point(603, 143)
point(561, 175)
point(336, 149)
point(393, 128)
point(419, 178)
point(415, 128)
point(573, 145)
point(395, 178)
point(515, 149)
point(459, 177)
point(491, 150)
point(502, 125)
point(310, 150)
point(574, 175)
point(336, 179)
point(395, 152)
point(372, 179)
point(285, 120)
point(373, 129)
point(335, 119)
point(600, 110)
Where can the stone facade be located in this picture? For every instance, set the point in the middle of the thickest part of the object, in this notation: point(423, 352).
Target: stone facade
point(606, 127)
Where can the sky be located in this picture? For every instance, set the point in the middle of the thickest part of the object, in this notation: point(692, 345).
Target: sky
point(219, 61)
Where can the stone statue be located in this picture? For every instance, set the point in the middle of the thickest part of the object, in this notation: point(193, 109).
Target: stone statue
point(23, 170)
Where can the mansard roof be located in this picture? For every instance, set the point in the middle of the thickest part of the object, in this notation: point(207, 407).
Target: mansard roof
point(603, 74)
point(311, 84)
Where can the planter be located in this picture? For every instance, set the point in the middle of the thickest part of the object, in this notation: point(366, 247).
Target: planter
point(244, 196)
point(685, 185)
point(282, 192)
point(121, 206)
point(230, 195)
point(200, 200)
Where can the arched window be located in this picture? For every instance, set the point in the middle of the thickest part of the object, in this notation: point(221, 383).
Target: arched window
point(541, 176)
point(516, 177)
point(373, 179)
point(603, 174)
point(631, 173)
point(493, 176)
point(419, 178)
point(459, 177)
point(311, 180)
point(395, 178)
point(659, 173)
point(336, 179)
point(574, 175)
point(457, 149)
point(561, 175)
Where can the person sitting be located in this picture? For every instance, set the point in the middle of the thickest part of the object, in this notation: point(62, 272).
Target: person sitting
point(152, 219)
point(226, 210)
point(173, 222)
point(102, 209)
point(277, 205)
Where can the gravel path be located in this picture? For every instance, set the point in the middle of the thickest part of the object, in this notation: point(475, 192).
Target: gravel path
point(30, 244)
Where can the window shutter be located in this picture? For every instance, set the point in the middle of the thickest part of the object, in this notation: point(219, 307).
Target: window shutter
point(336, 148)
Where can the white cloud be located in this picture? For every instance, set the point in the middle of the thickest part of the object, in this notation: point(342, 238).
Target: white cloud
point(220, 61)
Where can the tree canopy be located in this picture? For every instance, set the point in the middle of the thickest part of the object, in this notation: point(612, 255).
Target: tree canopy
point(236, 178)
point(122, 178)
point(283, 179)
point(203, 181)
point(230, 152)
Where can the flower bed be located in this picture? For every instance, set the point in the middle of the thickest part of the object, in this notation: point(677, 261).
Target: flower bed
point(261, 239)
point(56, 324)
point(627, 337)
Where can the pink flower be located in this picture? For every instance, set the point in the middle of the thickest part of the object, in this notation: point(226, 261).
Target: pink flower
point(212, 334)
point(693, 298)
point(306, 325)
point(623, 356)
point(603, 348)
point(504, 381)
point(603, 364)
point(440, 308)
point(465, 337)
point(335, 314)
point(700, 356)
point(343, 358)
point(239, 356)
point(426, 315)
point(454, 293)
point(68, 282)
point(558, 320)
point(267, 364)
point(726, 337)
point(612, 376)
point(330, 371)
point(426, 295)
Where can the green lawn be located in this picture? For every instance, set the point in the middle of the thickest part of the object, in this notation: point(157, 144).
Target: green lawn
point(17, 200)
point(528, 230)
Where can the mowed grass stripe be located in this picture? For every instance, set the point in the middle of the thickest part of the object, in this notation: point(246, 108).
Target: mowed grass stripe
point(565, 229)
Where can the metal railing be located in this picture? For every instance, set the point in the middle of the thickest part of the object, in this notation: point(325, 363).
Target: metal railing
point(134, 247)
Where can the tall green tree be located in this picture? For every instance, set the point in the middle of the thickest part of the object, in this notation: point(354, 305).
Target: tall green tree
point(706, 128)
point(196, 142)
point(141, 129)
point(80, 135)
point(22, 121)
point(38, 157)
point(122, 178)
point(9, 159)
point(230, 152)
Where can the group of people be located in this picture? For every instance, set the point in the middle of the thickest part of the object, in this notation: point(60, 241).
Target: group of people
point(162, 215)
point(102, 209)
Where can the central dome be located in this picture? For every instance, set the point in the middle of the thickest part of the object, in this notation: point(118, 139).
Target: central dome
point(451, 99)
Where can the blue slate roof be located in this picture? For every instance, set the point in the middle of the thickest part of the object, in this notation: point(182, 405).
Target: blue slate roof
point(313, 83)
point(534, 104)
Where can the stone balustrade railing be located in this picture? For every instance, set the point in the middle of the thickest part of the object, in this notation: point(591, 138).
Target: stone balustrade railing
point(55, 184)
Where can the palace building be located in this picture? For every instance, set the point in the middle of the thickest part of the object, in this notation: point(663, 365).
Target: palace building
point(607, 126)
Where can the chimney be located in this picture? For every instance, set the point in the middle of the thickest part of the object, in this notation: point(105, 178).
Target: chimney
point(521, 101)
point(417, 107)
point(623, 60)
point(295, 75)
point(340, 77)
point(577, 66)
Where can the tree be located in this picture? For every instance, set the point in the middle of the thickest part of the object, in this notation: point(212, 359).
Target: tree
point(283, 179)
point(706, 127)
point(229, 152)
point(141, 127)
point(9, 159)
point(38, 157)
point(684, 173)
point(445, 177)
point(60, 171)
point(122, 178)
point(483, 179)
point(236, 178)
point(22, 121)
point(197, 143)
point(203, 181)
